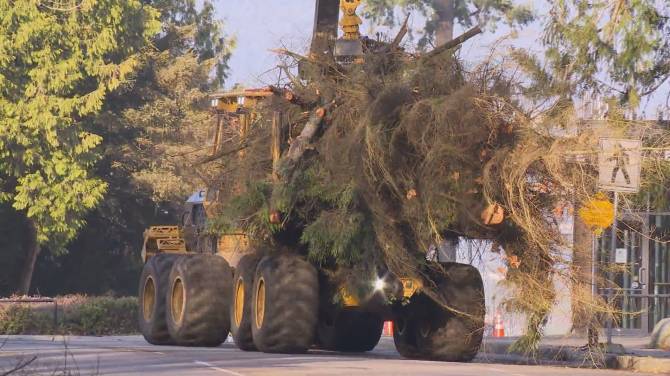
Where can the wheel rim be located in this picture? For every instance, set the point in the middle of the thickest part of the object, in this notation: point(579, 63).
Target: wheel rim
point(239, 301)
point(177, 306)
point(260, 303)
point(148, 299)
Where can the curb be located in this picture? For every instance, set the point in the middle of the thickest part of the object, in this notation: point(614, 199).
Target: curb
point(576, 357)
point(641, 364)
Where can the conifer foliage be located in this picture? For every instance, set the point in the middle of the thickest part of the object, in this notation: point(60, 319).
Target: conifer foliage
point(56, 68)
point(95, 98)
point(442, 15)
point(611, 47)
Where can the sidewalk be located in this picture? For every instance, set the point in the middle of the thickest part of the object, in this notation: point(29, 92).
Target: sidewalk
point(629, 353)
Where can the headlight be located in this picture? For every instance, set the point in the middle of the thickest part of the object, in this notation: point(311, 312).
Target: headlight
point(379, 284)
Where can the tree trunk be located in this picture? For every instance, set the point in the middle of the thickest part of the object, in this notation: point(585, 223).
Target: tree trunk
point(300, 144)
point(445, 13)
point(582, 315)
point(32, 250)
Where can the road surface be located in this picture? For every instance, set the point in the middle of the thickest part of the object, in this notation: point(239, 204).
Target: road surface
point(131, 356)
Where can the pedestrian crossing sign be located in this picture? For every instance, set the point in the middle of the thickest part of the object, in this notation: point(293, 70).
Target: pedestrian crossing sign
point(619, 163)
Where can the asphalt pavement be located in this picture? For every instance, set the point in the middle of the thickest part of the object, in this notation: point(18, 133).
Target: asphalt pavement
point(133, 356)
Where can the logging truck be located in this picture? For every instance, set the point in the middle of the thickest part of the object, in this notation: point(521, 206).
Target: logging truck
point(197, 288)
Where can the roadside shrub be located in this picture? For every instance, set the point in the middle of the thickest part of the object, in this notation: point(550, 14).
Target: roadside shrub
point(77, 315)
point(20, 319)
point(102, 316)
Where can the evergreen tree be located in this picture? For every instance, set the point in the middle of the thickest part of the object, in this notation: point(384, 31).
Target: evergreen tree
point(162, 122)
point(442, 15)
point(153, 129)
point(611, 47)
point(56, 68)
point(207, 40)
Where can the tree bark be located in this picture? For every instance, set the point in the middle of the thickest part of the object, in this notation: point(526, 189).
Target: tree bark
point(445, 13)
point(300, 144)
point(582, 237)
point(32, 250)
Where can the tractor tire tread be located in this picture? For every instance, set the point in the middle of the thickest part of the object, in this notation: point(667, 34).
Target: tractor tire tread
point(246, 269)
point(291, 304)
point(155, 330)
point(207, 283)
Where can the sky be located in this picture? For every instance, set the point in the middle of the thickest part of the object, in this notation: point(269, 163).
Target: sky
point(261, 25)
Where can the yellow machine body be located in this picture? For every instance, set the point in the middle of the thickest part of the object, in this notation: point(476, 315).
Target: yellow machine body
point(240, 105)
point(410, 286)
point(162, 239)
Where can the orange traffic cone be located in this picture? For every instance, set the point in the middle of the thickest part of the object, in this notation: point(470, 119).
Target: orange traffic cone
point(498, 327)
point(388, 328)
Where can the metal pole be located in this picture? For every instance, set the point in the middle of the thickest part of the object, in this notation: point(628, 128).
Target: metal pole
point(55, 315)
point(610, 273)
point(594, 245)
point(592, 330)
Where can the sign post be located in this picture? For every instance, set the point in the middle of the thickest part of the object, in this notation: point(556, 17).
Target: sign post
point(619, 164)
point(610, 273)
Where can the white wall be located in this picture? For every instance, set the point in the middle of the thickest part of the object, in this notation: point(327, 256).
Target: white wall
point(493, 268)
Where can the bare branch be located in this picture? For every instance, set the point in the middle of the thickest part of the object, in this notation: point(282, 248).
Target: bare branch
point(284, 51)
point(401, 34)
point(222, 154)
point(20, 366)
point(455, 42)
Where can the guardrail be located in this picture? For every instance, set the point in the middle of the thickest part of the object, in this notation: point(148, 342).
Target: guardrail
point(34, 301)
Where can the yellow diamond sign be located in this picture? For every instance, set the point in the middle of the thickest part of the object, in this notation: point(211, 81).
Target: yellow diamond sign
point(597, 213)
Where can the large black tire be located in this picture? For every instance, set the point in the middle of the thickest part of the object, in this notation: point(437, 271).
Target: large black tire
point(349, 330)
point(404, 329)
point(151, 298)
point(198, 300)
point(430, 331)
point(240, 307)
point(284, 304)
